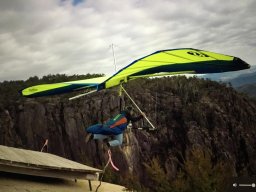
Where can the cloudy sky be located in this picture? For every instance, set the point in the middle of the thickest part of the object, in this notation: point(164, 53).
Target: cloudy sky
point(41, 37)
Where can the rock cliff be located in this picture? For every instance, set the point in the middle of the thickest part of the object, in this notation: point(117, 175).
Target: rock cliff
point(188, 113)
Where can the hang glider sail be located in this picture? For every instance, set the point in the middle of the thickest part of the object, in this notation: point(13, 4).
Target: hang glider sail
point(164, 62)
point(64, 87)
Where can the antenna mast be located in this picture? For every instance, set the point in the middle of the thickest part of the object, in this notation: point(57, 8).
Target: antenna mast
point(113, 51)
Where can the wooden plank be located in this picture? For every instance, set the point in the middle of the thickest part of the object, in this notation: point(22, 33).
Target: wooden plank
point(62, 174)
point(39, 158)
point(43, 164)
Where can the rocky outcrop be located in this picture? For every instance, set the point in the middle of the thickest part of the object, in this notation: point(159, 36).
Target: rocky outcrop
point(186, 112)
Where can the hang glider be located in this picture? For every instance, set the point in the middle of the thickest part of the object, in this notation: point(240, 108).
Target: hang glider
point(164, 62)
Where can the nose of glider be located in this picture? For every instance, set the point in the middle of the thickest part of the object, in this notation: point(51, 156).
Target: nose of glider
point(241, 64)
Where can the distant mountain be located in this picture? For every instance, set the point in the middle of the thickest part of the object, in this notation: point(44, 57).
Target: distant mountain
point(244, 79)
point(236, 78)
point(245, 82)
point(249, 89)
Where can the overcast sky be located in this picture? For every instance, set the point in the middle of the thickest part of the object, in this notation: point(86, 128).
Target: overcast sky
point(41, 37)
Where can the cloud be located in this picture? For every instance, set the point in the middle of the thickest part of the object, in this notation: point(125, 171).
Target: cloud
point(74, 37)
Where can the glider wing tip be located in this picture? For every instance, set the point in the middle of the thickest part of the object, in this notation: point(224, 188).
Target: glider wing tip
point(241, 63)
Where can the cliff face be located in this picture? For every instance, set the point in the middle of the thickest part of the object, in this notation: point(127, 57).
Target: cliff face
point(187, 113)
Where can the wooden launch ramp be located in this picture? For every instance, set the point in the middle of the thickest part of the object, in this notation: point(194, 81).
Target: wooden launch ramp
point(35, 163)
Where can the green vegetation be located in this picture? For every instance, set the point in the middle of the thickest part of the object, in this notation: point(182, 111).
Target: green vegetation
point(198, 174)
point(131, 182)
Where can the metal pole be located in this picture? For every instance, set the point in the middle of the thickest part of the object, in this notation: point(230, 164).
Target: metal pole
point(81, 95)
point(90, 185)
point(137, 107)
point(113, 52)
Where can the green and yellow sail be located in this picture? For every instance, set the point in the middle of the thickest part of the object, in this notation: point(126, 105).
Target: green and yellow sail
point(164, 62)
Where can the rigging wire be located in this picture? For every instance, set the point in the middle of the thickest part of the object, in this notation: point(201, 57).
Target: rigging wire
point(153, 127)
point(45, 145)
point(104, 169)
